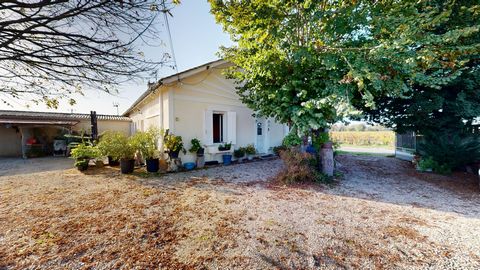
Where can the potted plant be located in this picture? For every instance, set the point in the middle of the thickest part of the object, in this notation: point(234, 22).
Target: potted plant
point(107, 146)
point(250, 151)
point(199, 151)
point(225, 147)
point(173, 145)
point(227, 157)
point(147, 144)
point(82, 155)
point(239, 154)
point(120, 148)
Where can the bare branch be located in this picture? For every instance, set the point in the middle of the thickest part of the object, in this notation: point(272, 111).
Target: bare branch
point(53, 48)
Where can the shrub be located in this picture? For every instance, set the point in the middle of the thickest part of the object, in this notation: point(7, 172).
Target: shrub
point(250, 149)
point(318, 141)
point(291, 139)
point(278, 149)
point(225, 147)
point(116, 145)
point(428, 164)
point(147, 143)
point(196, 145)
point(110, 143)
point(173, 143)
point(239, 153)
point(81, 165)
point(450, 152)
point(85, 151)
point(82, 154)
point(299, 167)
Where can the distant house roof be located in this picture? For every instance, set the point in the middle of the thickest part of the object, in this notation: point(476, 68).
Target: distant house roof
point(173, 78)
point(19, 116)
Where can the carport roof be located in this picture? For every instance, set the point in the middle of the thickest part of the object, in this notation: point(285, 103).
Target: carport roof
point(37, 122)
point(54, 116)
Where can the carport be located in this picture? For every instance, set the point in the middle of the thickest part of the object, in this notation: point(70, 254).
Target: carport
point(28, 133)
point(30, 137)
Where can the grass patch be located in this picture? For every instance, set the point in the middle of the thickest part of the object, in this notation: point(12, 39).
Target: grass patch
point(342, 152)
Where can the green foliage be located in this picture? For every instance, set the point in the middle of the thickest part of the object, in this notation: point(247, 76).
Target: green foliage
point(173, 143)
point(278, 149)
point(451, 109)
point(105, 144)
point(428, 164)
point(307, 62)
point(147, 142)
point(116, 145)
point(196, 145)
point(250, 149)
point(85, 151)
point(319, 139)
point(82, 154)
point(81, 164)
point(450, 152)
point(300, 167)
point(239, 153)
point(292, 139)
point(224, 147)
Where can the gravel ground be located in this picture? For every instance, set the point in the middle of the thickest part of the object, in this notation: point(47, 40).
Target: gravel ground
point(12, 166)
point(382, 214)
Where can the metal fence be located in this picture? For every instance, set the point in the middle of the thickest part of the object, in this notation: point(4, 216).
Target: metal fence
point(406, 142)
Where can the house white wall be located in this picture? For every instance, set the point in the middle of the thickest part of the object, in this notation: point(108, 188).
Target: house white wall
point(185, 109)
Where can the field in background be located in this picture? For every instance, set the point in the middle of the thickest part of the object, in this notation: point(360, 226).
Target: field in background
point(384, 139)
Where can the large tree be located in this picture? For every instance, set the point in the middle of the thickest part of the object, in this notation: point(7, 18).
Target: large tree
point(452, 110)
point(307, 62)
point(50, 49)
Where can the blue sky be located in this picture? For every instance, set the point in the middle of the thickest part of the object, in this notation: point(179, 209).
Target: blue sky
point(196, 39)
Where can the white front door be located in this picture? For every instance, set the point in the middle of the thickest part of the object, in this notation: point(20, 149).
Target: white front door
point(260, 131)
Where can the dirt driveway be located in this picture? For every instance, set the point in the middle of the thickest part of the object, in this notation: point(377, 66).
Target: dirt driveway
point(382, 214)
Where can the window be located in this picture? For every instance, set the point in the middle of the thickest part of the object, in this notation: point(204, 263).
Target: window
point(218, 127)
point(259, 129)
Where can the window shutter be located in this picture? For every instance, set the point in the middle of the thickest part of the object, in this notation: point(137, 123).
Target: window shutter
point(208, 132)
point(232, 127)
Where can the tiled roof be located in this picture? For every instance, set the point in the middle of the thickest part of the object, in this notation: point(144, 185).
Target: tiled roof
point(6, 114)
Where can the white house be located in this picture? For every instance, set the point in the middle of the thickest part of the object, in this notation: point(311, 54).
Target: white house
point(201, 103)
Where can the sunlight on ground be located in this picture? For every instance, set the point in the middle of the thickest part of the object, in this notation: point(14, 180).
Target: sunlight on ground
point(381, 214)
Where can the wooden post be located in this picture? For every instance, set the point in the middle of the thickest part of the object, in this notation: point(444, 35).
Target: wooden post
point(93, 122)
point(23, 140)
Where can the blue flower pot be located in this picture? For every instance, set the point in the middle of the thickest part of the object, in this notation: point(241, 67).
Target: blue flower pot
point(189, 165)
point(311, 150)
point(227, 159)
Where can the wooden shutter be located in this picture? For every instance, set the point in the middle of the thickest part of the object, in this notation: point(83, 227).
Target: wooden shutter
point(232, 127)
point(208, 132)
